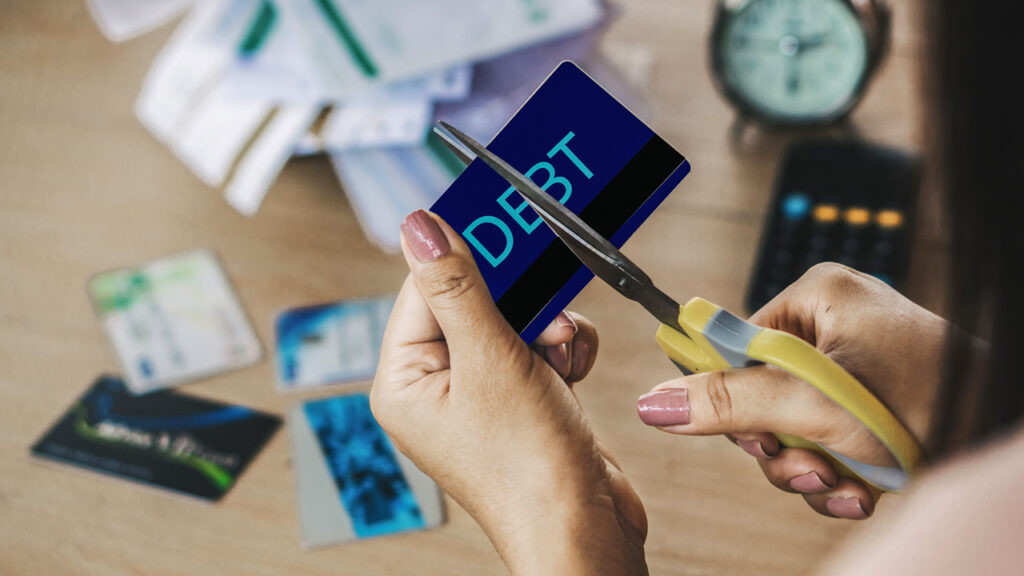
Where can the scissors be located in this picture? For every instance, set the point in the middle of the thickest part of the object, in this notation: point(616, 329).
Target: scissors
point(703, 337)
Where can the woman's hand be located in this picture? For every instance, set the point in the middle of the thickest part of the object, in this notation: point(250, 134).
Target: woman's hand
point(494, 424)
point(890, 344)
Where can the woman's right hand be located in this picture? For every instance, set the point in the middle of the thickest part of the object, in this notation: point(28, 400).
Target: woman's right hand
point(891, 345)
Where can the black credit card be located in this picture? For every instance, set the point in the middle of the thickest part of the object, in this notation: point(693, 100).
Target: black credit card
point(165, 439)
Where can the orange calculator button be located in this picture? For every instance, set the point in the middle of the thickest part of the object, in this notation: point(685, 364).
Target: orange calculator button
point(857, 216)
point(826, 213)
point(889, 219)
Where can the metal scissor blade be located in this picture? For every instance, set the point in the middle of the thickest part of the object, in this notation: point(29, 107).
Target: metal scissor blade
point(464, 155)
point(592, 249)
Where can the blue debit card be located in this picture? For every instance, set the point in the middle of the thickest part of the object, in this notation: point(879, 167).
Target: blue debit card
point(361, 461)
point(330, 343)
point(587, 150)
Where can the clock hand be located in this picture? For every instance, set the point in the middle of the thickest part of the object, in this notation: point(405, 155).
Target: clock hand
point(812, 41)
point(792, 74)
point(759, 43)
point(792, 50)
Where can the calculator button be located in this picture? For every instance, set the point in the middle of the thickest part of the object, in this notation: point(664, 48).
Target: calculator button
point(857, 216)
point(819, 242)
point(826, 213)
point(787, 235)
point(889, 219)
point(795, 206)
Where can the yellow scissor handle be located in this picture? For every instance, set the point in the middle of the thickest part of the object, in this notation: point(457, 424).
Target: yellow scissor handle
point(717, 340)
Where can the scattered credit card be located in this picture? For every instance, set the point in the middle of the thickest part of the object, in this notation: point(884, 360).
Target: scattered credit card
point(331, 343)
point(173, 320)
point(351, 482)
point(166, 439)
point(587, 150)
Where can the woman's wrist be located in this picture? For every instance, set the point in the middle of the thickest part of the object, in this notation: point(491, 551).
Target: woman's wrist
point(571, 537)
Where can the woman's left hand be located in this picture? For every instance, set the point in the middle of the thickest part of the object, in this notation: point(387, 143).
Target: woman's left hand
point(495, 423)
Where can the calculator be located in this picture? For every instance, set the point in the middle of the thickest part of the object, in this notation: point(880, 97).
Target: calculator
point(837, 201)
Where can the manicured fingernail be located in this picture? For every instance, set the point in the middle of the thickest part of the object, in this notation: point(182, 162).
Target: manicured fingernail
point(849, 508)
point(563, 319)
point(580, 358)
point(424, 236)
point(754, 448)
point(665, 408)
point(558, 358)
point(809, 483)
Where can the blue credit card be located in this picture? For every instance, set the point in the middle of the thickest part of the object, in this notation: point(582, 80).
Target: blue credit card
point(370, 481)
point(330, 343)
point(588, 151)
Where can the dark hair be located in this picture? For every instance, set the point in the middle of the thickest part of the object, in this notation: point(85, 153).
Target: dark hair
point(975, 87)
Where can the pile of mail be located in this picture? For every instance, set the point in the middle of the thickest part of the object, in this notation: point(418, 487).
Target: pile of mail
point(243, 85)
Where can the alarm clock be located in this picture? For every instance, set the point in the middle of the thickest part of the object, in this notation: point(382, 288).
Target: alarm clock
point(797, 63)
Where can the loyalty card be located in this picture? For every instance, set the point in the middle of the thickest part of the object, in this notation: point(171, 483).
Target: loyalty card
point(331, 343)
point(351, 481)
point(168, 440)
point(173, 320)
point(588, 151)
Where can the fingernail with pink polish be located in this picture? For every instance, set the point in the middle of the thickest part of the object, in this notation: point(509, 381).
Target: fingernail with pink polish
point(809, 483)
point(563, 319)
point(754, 448)
point(665, 408)
point(424, 237)
point(558, 358)
point(849, 508)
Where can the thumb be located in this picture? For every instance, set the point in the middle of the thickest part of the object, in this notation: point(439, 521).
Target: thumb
point(748, 400)
point(450, 282)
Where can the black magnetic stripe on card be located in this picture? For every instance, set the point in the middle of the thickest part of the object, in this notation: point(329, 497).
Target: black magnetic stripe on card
point(615, 204)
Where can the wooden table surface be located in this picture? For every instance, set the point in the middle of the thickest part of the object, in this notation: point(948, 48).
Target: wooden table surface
point(84, 188)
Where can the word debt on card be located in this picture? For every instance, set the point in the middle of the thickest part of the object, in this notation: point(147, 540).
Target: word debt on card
point(585, 149)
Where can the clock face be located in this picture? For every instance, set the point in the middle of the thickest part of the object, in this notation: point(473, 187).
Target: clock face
point(793, 60)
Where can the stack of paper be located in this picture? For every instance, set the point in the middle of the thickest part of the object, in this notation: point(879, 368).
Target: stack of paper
point(243, 85)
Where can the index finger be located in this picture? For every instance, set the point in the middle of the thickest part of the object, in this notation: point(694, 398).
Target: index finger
point(792, 310)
